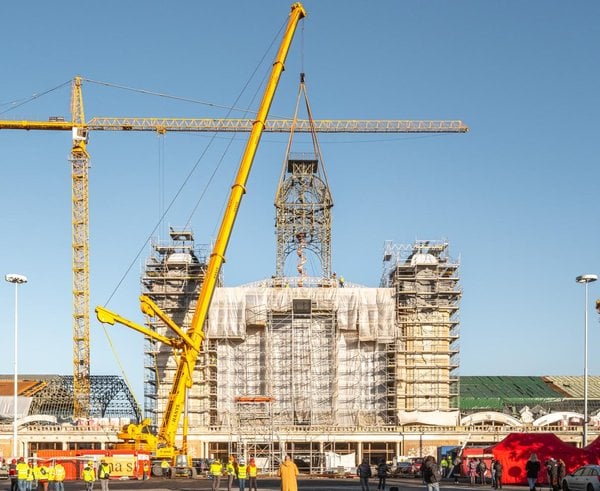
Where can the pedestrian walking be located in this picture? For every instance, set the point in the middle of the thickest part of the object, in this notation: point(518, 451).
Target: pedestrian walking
point(288, 472)
point(551, 473)
point(364, 473)
point(497, 474)
point(472, 469)
point(432, 474)
point(455, 472)
point(481, 470)
point(382, 472)
point(532, 469)
point(561, 472)
point(445, 465)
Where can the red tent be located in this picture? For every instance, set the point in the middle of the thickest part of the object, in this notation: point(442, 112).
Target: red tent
point(514, 451)
point(593, 449)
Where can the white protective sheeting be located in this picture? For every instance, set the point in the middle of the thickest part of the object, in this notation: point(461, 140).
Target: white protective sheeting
point(7, 405)
point(370, 311)
point(333, 461)
point(437, 418)
point(328, 367)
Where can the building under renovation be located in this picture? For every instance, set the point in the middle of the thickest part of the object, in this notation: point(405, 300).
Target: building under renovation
point(290, 356)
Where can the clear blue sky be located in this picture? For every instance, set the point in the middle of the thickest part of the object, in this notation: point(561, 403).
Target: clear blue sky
point(517, 197)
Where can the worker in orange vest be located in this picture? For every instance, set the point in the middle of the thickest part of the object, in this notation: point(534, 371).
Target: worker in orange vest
point(252, 473)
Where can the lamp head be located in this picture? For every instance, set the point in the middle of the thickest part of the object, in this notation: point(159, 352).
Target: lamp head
point(15, 278)
point(586, 278)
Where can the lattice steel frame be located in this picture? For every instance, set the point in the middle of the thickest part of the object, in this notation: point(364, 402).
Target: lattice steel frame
point(109, 397)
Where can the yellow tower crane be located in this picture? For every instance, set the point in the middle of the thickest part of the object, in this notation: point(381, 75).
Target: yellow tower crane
point(79, 159)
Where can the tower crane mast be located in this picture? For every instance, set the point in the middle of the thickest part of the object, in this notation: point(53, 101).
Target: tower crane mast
point(79, 159)
point(80, 256)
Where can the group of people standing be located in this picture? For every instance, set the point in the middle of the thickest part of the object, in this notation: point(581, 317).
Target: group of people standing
point(238, 469)
point(36, 476)
point(364, 474)
point(234, 469)
point(477, 470)
point(50, 476)
point(556, 470)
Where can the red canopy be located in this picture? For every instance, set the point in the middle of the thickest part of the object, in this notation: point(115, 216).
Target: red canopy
point(593, 450)
point(514, 451)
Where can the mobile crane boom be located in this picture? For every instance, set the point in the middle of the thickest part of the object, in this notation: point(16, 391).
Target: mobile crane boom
point(189, 350)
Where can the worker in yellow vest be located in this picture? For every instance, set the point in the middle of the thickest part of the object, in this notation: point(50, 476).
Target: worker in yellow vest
point(165, 468)
point(36, 476)
point(242, 474)
point(51, 477)
point(252, 473)
point(59, 477)
point(104, 474)
point(89, 476)
point(230, 471)
point(29, 485)
point(43, 478)
point(22, 472)
point(216, 469)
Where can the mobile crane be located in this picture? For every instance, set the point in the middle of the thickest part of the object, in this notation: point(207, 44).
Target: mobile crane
point(187, 344)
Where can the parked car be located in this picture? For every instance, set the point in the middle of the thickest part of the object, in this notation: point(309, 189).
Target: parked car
point(586, 478)
point(405, 469)
point(417, 462)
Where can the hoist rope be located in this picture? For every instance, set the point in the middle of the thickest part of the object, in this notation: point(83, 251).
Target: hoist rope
point(179, 191)
point(20, 102)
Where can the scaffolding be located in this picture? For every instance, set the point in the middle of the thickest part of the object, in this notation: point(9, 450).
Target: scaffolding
point(320, 354)
point(172, 278)
point(254, 436)
point(425, 280)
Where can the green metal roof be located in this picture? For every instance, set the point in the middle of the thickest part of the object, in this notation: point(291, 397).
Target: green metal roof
point(497, 392)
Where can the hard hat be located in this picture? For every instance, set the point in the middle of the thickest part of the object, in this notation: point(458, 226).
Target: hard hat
point(90, 462)
point(242, 461)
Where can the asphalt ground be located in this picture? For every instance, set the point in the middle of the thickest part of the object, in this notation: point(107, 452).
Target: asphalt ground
point(305, 483)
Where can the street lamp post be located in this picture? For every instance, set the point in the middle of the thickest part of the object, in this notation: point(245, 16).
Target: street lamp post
point(586, 279)
point(17, 279)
